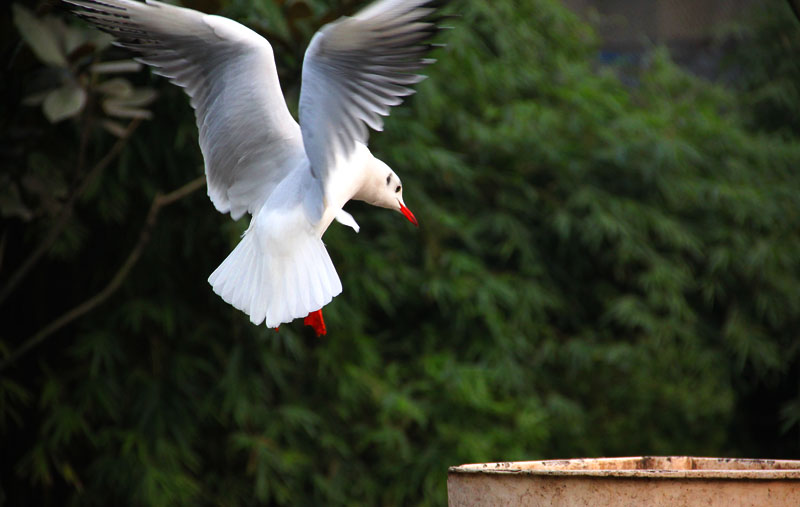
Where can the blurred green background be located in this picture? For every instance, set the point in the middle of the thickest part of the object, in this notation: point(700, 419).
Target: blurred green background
point(607, 264)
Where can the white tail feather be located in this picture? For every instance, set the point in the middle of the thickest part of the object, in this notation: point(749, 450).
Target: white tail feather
point(276, 287)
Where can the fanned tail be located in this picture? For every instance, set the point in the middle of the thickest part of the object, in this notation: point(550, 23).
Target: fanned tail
point(271, 285)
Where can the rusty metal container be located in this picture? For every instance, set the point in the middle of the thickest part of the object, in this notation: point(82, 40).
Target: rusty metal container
point(644, 480)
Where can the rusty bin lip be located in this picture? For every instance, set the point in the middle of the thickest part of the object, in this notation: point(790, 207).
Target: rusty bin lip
point(644, 467)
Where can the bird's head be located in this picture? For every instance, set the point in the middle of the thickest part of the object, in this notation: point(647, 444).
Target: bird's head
point(386, 190)
point(393, 197)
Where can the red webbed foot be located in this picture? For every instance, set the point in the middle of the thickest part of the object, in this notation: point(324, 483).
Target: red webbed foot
point(314, 319)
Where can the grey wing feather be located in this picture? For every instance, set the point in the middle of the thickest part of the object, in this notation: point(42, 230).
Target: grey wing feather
point(356, 69)
point(248, 137)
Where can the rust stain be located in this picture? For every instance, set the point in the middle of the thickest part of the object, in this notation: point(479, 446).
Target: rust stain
point(643, 480)
point(646, 466)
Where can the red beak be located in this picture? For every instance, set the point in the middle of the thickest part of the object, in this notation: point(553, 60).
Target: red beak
point(407, 213)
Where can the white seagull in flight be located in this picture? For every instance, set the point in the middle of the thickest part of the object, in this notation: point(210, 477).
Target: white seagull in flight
point(293, 179)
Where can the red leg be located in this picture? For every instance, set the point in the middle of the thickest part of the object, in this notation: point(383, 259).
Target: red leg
point(314, 319)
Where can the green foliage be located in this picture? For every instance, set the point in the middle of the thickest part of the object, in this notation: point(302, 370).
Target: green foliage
point(600, 269)
point(767, 48)
point(71, 83)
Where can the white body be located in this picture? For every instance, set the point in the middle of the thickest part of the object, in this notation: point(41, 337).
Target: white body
point(281, 270)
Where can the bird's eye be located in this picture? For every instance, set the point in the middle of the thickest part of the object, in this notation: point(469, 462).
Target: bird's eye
point(397, 189)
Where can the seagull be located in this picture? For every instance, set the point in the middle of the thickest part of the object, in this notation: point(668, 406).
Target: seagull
point(293, 179)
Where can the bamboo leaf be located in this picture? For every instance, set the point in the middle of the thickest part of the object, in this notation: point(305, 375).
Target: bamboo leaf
point(116, 67)
point(39, 36)
point(64, 102)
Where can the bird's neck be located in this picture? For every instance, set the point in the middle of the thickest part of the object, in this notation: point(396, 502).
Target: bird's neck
point(371, 188)
point(350, 180)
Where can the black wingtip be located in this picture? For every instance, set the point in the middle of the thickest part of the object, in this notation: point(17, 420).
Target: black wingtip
point(437, 4)
point(95, 5)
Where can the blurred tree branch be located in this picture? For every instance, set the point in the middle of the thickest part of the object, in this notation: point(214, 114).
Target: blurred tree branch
point(795, 6)
point(66, 212)
point(159, 201)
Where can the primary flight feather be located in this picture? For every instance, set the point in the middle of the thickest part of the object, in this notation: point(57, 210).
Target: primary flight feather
point(293, 179)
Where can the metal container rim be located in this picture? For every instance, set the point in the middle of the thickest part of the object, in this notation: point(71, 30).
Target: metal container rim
point(644, 467)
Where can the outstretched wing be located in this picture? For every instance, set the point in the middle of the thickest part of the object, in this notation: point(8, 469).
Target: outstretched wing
point(248, 137)
point(355, 69)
